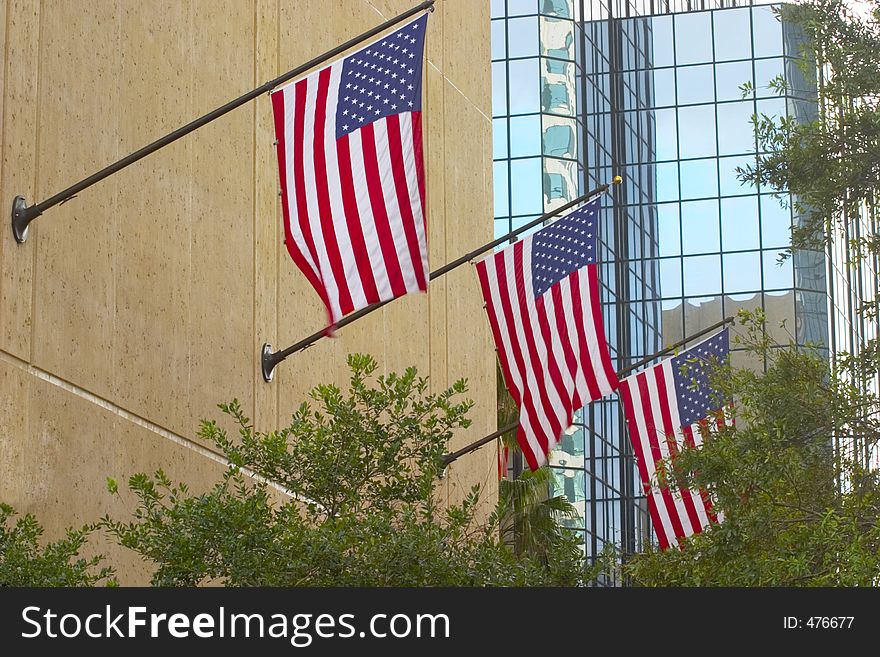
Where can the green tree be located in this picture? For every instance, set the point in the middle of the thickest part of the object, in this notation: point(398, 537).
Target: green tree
point(360, 474)
point(24, 562)
point(799, 508)
point(829, 160)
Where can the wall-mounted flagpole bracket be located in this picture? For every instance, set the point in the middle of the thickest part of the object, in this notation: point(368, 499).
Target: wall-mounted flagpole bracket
point(22, 216)
point(268, 362)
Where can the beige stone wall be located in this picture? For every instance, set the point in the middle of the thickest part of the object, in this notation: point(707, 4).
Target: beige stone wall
point(135, 308)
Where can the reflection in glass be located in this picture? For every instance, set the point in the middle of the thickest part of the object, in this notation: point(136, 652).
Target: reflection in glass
point(496, 8)
point(739, 223)
point(699, 178)
point(667, 134)
point(556, 96)
point(523, 86)
point(525, 135)
point(699, 227)
point(697, 131)
point(742, 272)
point(661, 41)
point(772, 107)
point(525, 186)
point(695, 85)
point(693, 38)
point(559, 137)
point(701, 313)
point(667, 181)
point(669, 230)
point(777, 274)
point(702, 275)
point(768, 32)
point(560, 8)
point(729, 79)
point(499, 47)
point(733, 38)
point(737, 134)
point(775, 223)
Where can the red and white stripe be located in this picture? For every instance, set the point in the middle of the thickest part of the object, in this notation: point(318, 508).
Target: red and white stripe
point(354, 208)
point(651, 409)
point(552, 349)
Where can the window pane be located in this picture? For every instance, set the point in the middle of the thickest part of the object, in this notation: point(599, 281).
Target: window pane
point(737, 134)
point(561, 8)
point(524, 84)
point(670, 277)
point(739, 223)
point(699, 227)
point(499, 138)
point(730, 77)
point(502, 207)
point(498, 45)
point(742, 272)
point(664, 87)
point(499, 89)
point(777, 275)
point(667, 135)
point(693, 38)
point(697, 125)
point(695, 85)
point(525, 186)
point(765, 71)
point(519, 7)
point(522, 36)
point(661, 41)
point(669, 230)
point(730, 182)
point(502, 227)
point(768, 32)
point(497, 8)
point(699, 178)
point(702, 275)
point(775, 223)
point(733, 37)
point(667, 181)
point(525, 135)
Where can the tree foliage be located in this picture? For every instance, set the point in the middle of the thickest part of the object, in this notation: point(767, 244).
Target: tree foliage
point(799, 508)
point(359, 470)
point(24, 562)
point(829, 160)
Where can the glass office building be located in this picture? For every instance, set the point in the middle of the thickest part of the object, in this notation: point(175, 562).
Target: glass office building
point(663, 95)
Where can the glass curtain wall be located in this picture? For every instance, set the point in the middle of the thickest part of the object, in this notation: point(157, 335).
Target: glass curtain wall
point(662, 94)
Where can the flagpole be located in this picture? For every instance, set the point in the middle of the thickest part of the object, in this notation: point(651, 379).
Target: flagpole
point(23, 215)
point(271, 359)
point(449, 458)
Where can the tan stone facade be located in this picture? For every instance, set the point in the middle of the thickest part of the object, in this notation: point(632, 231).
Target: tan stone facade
point(135, 308)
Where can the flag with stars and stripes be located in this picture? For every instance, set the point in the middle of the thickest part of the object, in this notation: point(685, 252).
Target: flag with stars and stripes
point(542, 298)
point(349, 142)
point(667, 407)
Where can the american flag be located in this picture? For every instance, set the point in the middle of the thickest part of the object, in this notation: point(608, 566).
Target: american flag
point(349, 142)
point(666, 407)
point(542, 298)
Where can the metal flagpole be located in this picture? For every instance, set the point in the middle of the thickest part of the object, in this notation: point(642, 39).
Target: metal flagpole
point(449, 458)
point(270, 359)
point(23, 215)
